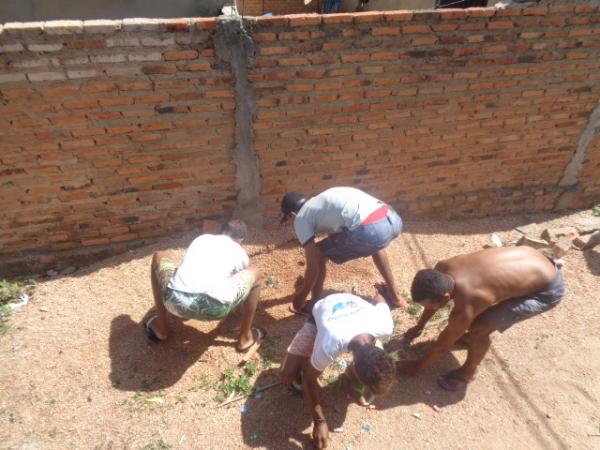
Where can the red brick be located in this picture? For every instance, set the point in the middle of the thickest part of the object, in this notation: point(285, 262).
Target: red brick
point(180, 55)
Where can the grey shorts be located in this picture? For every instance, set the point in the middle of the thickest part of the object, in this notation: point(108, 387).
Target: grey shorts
point(362, 241)
point(504, 315)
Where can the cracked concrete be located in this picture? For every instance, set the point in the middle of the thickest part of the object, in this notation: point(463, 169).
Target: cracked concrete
point(234, 47)
point(570, 180)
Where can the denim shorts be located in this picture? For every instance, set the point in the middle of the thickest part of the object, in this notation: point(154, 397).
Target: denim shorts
point(362, 241)
point(504, 315)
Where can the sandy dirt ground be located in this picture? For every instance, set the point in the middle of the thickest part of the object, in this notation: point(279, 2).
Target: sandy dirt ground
point(77, 372)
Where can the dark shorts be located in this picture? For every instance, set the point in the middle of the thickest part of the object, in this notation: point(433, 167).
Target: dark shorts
point(504, 315)
point(362, 241)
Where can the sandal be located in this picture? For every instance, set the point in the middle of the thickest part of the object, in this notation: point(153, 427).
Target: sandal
point(453, 382)
point(252, 348)
point(304, 311)
point(149, 332)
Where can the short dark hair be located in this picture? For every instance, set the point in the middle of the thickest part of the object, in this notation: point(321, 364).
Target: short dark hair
point(430, 284)
point(235, 229)
point(291, 202)
point(374, 368)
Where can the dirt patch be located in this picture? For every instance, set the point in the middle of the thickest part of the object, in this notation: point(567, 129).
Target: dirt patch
point(77, 371)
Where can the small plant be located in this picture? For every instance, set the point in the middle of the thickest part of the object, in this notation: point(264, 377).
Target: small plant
point(443, 313)
point(266, 363)
point(234, 383)
point(596, 210)
point(53, 433)
point(8, 291)
point(329, 379)
point(158, 445)
point(414, 309)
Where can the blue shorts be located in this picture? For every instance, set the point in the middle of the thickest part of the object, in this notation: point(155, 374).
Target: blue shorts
point(362, 241)
point(504, 315)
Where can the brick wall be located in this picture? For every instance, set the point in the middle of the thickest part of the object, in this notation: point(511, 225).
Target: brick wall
point(258, 7)
point(114, 133)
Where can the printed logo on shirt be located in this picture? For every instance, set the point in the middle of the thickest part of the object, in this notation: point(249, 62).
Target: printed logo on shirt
point(344, 309)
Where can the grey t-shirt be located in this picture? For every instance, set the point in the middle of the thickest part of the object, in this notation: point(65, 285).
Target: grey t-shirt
point(332, 210)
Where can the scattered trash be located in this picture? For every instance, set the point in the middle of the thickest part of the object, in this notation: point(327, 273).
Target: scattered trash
point(158, 401)
point(532, 242)
point(348, 446)
point(342, 364)
point(258, 395)
point(371, 407)
point(436, 408)
point(44, 310)
point(427, 392)
point(244, 409)
point(416, 416)
point(68, 271)
point(367, 427)
point(52, 273)
point(559, 262)
point(338, 430)
point(497, 241)
point(23, 300)
point(253, 437)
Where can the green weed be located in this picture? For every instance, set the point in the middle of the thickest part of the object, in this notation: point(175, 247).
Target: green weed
point(158, 445)
point(235, 382)
point(414, 309)
point(596, 210)
point(53, 433)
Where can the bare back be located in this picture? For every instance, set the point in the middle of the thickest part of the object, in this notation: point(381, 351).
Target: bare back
point(494, 275)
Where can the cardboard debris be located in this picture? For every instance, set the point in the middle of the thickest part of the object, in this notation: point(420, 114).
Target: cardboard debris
point(587, 241)
point(532, 242)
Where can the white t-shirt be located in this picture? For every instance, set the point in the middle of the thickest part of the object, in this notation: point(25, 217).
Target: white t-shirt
point(208, 262)
point(332, 210)
point(341, 317)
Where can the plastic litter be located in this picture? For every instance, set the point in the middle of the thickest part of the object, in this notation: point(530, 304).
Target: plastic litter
point(338, 430)
point(253, 437)
point(497, 241)
point(258, 395)
point(244, 409)
point(348, 446)
point(427, 392)
point(367, 427)
point(436, 408)
point(23, 300)
point(416, 416)
point(371, 407)
point(159, 401)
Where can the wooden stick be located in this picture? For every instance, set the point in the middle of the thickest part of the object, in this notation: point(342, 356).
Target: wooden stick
point(242, 396)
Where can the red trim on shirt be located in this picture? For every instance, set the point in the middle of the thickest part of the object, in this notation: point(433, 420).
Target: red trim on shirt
point(377, 215)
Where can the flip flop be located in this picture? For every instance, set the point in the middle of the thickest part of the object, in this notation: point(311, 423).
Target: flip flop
point(459, 384)
point(250, 350)
point(149, 332)
point(300, 312)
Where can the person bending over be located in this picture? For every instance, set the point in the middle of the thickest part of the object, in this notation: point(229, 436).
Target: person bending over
point(213, 280)
point(359, 226)
point(492, 290)
point(340, 322)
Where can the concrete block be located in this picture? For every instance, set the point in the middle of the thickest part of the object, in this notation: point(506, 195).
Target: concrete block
point(12, 77)
point(587, 241)
point(45, 47)
point(553, 234)
point(137, 24)
point(101, 26)
point(11, 48)
point(110, 58)
point(56, 27)
point(23, 28)
point(561, 246)
point(122, 41)
point(147, 56)
point(532, 242)
point(46, 76)
point(78, 74)
point(157, 42)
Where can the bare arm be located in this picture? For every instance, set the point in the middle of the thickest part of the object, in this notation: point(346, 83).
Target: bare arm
point(416, 331)
point(458, 324)
point(310, 275)
point(310, 384)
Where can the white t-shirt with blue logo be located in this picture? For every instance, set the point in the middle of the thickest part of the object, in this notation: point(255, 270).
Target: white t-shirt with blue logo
point(332, 210)
point(341, 317)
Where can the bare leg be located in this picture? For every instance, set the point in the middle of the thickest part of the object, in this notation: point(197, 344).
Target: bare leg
point(160, 326)
point(479, 343)
point(317, 289)
point(248, 310)
point(291, 368)
point(383, 265)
